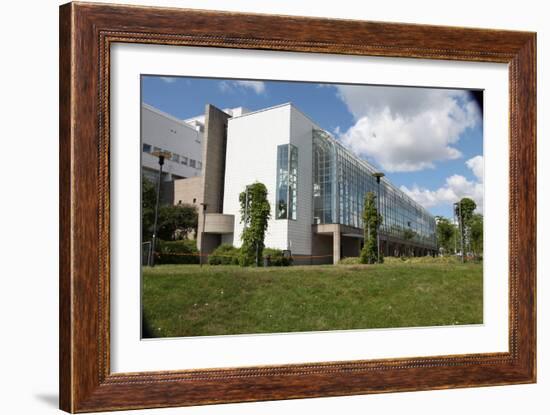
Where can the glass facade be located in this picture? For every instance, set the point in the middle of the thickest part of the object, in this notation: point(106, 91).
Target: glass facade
point(287, 179)
point(340, 182)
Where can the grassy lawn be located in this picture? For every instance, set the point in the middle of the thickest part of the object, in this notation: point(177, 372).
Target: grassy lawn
point(186, 300)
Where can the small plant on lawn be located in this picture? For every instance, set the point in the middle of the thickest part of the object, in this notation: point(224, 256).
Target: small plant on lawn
point(352, 260)
point(255, 213)
point(276, 257)
point(177, 252)
point(225, 254)
point(371, 221)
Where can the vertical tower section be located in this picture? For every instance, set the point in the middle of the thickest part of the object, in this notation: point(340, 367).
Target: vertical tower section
point(213, 156)
point(300, 183)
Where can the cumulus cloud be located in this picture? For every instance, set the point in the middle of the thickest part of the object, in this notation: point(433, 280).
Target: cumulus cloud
point(456, 187)
point(476, 165)
point(406, 129)
point(256, 86)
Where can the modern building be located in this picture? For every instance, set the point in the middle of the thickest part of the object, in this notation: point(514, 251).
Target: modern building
point(316, 187)
point(163, 132)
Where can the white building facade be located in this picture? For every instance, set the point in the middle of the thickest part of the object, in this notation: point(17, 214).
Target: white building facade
point(316, 187)
point(255, 143)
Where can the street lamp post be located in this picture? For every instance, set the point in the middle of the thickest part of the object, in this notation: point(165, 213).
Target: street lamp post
point(378, 176)
point(161, 156)
point(204, 205)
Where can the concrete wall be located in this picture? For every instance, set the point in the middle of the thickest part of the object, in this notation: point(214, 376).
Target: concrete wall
point(213, 156)
point(188, 191)
point(219, 223)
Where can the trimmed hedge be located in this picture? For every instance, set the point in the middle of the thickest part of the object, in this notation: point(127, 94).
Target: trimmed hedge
point(225, 254)
point(177, 252)
point(276, 258)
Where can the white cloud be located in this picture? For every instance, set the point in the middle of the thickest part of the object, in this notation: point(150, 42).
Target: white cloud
point(168, 79)
point(406, 129)
point(456, 187)
point(257, 86)
point(476, 165)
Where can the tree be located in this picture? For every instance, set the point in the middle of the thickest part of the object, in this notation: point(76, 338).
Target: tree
point(408, 234)
point(255, 213)
point(176, 221)
point(445, 231)
point(148, 199)
point(464, 211)
point(476, 234)
point(371, 222)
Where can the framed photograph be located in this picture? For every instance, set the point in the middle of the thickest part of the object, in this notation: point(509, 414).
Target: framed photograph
point(259, 207)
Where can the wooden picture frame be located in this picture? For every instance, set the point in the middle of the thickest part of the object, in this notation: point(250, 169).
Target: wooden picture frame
point(86, 33)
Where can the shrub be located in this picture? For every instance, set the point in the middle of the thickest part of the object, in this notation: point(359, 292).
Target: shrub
point(177, 252)
point(432, 260)
point(352, 260)
point(225, 254)
point(276, 257)
point(447, 259)
point(394, 259)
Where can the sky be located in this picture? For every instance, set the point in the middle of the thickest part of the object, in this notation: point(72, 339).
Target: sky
point(428, 141)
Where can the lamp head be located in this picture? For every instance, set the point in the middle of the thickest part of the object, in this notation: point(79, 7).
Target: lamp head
point(378, 176)
point(161, 154)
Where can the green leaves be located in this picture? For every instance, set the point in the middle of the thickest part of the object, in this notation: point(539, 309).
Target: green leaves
point(148, 198)
point(371, 221)
point(445, 233)
point(174, 222)
point(255, 213)
point(471, 225)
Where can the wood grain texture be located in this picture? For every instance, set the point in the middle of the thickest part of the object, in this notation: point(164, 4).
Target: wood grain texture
point(86, 33)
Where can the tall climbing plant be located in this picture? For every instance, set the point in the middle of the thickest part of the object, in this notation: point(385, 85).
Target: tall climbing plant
point(255, 213)
point(371, 222)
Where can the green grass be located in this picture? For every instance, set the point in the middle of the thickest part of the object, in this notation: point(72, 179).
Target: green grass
point(186, 300)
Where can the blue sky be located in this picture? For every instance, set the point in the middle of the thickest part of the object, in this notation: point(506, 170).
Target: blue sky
point(428, 141)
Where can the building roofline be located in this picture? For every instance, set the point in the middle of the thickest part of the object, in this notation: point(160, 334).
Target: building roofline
point(261, 110)
point(284, 104)
point(166, 115)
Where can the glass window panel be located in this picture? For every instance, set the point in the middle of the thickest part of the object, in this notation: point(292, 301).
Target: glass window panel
point(287, 181)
